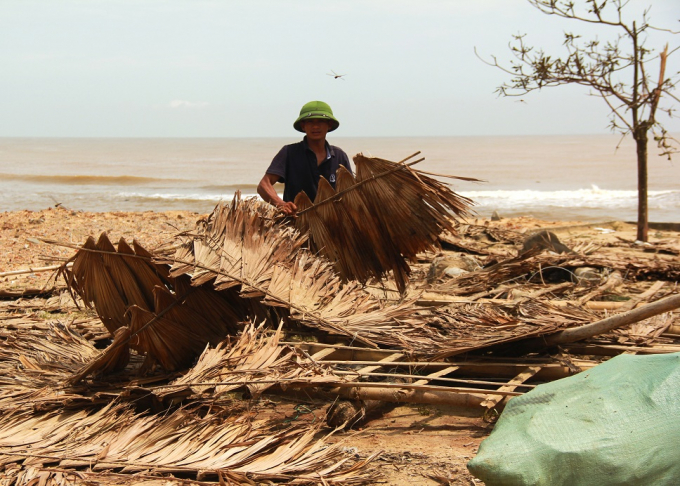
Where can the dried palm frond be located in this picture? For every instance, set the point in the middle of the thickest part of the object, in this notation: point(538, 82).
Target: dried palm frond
point(33, 360)
point(256, 360)
point(130, 291)
point(375, 223)
point(239, 245)
point(35, 364)
point(116, 438)
point(472, 327)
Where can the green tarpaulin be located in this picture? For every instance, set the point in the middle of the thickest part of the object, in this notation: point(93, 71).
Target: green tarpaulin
point(617, 423)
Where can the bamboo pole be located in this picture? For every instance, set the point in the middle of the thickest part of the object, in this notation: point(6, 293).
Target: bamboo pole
point(517, 381)
point(347, 413)
point(615, 350)
point(666, 304)
point(400, 395)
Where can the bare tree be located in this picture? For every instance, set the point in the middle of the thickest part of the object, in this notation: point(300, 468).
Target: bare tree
point(618, 71)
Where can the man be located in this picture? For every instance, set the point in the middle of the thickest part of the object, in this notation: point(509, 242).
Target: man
point(300, 165)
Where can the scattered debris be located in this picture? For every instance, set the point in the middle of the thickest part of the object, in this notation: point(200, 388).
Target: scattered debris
point(193, 338)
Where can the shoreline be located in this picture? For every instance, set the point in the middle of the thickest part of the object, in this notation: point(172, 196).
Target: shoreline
point(21, 233)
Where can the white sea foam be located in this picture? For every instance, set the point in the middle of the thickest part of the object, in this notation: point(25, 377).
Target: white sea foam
point(593, 197)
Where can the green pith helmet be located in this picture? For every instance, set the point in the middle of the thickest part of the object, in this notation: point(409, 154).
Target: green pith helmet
point(316, 109)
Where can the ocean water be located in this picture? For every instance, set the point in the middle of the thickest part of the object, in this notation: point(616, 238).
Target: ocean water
point(583, 178)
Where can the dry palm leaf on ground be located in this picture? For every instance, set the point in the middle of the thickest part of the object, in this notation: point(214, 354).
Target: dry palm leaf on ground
point(36, 367)
point(189, 443)
point(480, 327)
point(256, 361)
point(542, 267)
point(377, 221)
point(165, 318)
point(48, 428)
point(32, 364)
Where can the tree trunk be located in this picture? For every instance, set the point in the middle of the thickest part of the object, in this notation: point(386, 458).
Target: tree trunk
point(640, 136)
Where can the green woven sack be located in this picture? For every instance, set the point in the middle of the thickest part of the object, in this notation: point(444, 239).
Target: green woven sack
point(617, 423)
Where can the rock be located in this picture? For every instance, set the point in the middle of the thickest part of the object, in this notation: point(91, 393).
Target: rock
point(544, 240)
point(495, 216)
point(586, 275)
point(452, 265)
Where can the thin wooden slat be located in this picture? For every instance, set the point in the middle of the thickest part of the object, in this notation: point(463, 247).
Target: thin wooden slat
point(518, 380)
point(437, 374)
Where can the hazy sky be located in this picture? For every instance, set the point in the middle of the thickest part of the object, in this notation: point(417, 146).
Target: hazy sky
point(233, 68)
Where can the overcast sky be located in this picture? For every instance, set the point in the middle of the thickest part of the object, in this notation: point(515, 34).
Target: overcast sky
point(232, 68)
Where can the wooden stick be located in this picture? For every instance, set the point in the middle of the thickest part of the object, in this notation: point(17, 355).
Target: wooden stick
point(433, 299)
point(615, 279)
point(425, 379)
point(31, 270)
point(436, 374)
point(615, 350)
point(647, 294)
point(10, 294)
point(518, 380)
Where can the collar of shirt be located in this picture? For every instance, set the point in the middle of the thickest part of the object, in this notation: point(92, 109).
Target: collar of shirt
point(329, 152)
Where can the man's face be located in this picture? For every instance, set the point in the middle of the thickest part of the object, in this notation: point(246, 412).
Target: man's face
point(315, 128)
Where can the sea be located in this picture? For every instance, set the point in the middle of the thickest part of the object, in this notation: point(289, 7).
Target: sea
point(591, 178)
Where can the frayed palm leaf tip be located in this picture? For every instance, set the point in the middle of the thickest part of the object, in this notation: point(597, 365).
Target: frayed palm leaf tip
point(375, 223)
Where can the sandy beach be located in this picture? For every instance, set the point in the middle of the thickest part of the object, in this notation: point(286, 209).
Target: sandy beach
point(422, 444)
point(21, 233)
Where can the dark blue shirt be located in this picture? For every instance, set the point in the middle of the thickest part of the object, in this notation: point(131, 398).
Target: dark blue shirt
point(296, 166)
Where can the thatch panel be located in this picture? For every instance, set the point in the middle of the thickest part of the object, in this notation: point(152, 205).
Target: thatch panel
point(228, 245)
point(220, 312)
point(121, 275)
point(414, 207)
point(373, 224)
point(274, 266)
point(208, 259)
point(184, 259)
point(369, 234)
point(345, 245)
point(178, 333)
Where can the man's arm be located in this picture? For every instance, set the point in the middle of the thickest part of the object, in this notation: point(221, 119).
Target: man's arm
point(267, 192)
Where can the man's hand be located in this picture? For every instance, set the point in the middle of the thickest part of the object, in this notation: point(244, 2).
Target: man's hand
point(266, 191)
point(288, 208)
